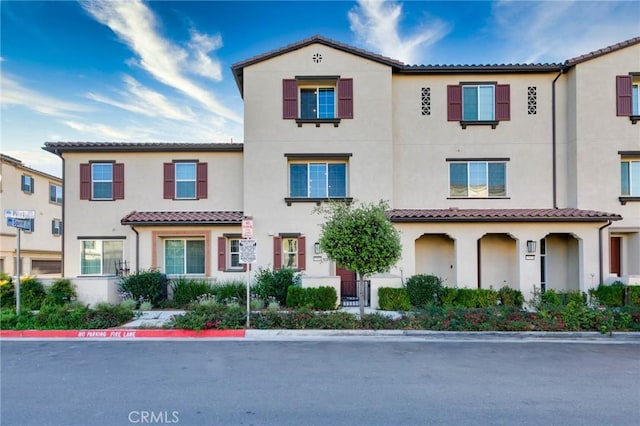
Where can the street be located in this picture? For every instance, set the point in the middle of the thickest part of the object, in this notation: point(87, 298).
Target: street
point(331, 382)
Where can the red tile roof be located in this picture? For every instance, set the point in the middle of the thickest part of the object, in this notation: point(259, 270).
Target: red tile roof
point(60, 147)
point(603, 51)
point(500, 215)
point(183, 218)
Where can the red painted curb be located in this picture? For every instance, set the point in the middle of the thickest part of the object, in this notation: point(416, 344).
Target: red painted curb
point(120, 333)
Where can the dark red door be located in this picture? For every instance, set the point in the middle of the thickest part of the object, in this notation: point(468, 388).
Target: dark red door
point(615, 264)
point(348, 286)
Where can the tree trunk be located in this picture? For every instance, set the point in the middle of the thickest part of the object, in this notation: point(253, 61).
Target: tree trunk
point(360, 284)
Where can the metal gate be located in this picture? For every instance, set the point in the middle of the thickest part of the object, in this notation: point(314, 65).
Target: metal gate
point(349, 293)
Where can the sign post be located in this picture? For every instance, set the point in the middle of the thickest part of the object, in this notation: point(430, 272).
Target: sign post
point(247, 257)
point(19, 219)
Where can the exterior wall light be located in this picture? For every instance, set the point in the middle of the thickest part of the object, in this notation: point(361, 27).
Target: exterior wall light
point(531, 246)
point(316, 248)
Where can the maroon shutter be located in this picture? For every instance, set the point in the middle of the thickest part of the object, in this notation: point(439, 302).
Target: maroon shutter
point(222, 253)
point(85, 181)
point(277, 253)
point(169, 181)
point(302, 253)
point(345, 98)
point(624, 85)
point(289, 98)
point(454, 103)
point(118, 181)
point(503, 110)
point(201, 173)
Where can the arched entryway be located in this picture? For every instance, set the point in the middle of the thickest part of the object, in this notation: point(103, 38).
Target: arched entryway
point(560, 262)
point(435, 254)
point(497, 261)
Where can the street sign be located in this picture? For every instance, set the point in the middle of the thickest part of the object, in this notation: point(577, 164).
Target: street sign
point(19, 223)
point(247, 227)
point(248, 250)
point(20, 214)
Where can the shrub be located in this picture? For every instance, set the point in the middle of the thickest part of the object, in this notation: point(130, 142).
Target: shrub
point(62, 291)
point(475, 298)
point(323, 298)
point(230, 290)
point(610, 295)
point(394, 299)
point(32, 293)
point(186, 290)
point(150, 285)
point(105, 315)
point(448, 296)
point(9, 320)
point(54, 317)
point(7, 291)
point(217, 316)
point(550, 298)
point(510, 297)
point(423, 289)
point(633, 295)
point(271, 283)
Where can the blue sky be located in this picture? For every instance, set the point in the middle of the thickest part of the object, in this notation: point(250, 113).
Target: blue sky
point(160, 71)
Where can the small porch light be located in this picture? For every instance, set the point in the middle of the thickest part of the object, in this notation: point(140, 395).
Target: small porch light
point(531, 246)
point(316, 248)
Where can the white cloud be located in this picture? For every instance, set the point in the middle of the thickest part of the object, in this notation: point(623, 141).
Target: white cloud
point(14, 93)
point(201, 46)
point(135, 25)
point(142, 100)
point(376, 24)
point(553, 31)
point(100, 131)
point(38, 160)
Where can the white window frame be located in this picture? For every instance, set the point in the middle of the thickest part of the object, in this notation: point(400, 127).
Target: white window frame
point(101, 254)
point(56, 227)
point(479, 104)
point(287, 254)
point(184, 265)
point(230, 254)
point(56, 200)
point(469, 192)
point(633, 191)
point(317, 88)
point(194, 180)
point(326, 164)
point(635, 98)
point(27, 184)
point(94, 180)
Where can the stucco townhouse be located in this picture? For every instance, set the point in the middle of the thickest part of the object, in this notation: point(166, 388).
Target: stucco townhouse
point(25, 189)
point(519, 175)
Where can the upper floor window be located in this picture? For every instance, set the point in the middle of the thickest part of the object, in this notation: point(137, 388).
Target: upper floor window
point(477, 179)
point(316, 99)
point(318, 180)
point(27, 184)
point(55, 193)
point(628, 96)
point(630, 178)
point(102, 181)
point(56, 227)
point(185, 180)
point(478, 103)
point(100, 257)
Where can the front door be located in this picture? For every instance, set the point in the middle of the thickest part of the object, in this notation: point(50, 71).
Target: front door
point(614, 256)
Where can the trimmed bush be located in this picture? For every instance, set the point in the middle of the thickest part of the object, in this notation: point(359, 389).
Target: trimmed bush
point(61, 292)
point(423, 289)
point(105, 315)
point(448, 296)
point(204, 317)
point(633, 295)
point(150, 285)
point(271, 283)
point(393, 299)
point(186, 290)
point(510, 297)
point(476, 298)
point(610, 295)
point(323, 298)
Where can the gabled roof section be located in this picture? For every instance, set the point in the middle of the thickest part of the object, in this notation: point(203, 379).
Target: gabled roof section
point(20, 165)
point(183, 218)
point(238, 67)
point(59, 148)
point(603, 51)
point(500, 215)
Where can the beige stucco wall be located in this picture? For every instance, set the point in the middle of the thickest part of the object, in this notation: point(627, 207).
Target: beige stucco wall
point(40, 244)
point(268, 137)
point(143, 177)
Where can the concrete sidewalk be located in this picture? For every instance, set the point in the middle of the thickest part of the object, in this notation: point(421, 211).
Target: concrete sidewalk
point(152, 319)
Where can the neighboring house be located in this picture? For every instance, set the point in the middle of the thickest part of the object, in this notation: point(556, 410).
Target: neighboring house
point(23, 188)
point(519, 175)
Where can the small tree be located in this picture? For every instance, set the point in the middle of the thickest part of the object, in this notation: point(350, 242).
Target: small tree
point(360, 238)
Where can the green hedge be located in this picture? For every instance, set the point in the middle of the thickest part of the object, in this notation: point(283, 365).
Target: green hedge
point(475, 298)
point(610, 295)
point(323, 298)
point(633, 295)
point(150, 285)
point(393, 299)
point(510, 297)
point(423, 289)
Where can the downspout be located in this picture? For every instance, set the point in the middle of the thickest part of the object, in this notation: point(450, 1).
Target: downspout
point(600, 255)
point(64, 203)
point(553, 140)
point(137, 248)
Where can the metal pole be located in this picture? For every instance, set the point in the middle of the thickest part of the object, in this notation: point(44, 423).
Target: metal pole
point(18, 274)
point(248, 293)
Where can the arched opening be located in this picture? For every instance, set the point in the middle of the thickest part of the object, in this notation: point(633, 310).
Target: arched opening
point(435, 254)
point(497, 262)
point(560, 262)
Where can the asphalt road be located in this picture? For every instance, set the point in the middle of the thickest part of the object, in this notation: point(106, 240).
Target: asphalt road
point(330, 382)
